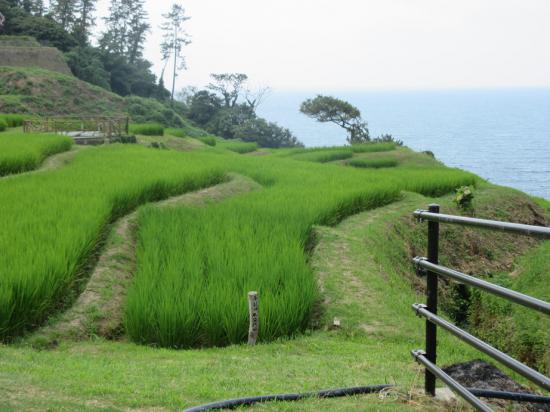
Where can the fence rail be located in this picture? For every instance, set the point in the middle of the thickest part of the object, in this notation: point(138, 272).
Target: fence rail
point(109, 126)
point(433, 270)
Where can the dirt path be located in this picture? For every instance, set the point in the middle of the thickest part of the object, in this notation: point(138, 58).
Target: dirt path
point(98, 310)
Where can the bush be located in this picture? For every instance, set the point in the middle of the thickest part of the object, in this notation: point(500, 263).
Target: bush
point(387, 138)
point(12, 120)
point(3, 125)
point(208, 140)
point(143, 110)
point(464, 198)
point(373, 163)
point(266, 134)
point(147, 129)
point(238, 146)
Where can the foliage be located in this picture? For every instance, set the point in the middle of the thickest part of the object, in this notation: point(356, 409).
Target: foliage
point(208, 140)
point(86, 64)
point(226, 120)
point(330, 109)
point(12, 120)
point(266, 134)
point(387, 138)
point(229, 86)
point(143, 110)
point(3, 125)
point(374, 163)
point(238, 146)
point(464, 198)
point(147, 129)
point(21, 152)
point(174, 39)
point(203, 106)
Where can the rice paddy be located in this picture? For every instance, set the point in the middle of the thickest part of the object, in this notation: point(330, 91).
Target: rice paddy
point(195, 266)
point(237, 146)
point(375, 163)
point(23, 152)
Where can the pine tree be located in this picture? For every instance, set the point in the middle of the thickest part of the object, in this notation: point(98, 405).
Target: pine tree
point(127, 26)
point(175, 39)
point(84, 20)
point(138, 27)
point(63, 12)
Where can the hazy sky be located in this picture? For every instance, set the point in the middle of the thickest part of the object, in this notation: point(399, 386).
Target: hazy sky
point(328, 45)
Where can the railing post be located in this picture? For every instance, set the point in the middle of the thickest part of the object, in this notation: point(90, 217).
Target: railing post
point(431, 300)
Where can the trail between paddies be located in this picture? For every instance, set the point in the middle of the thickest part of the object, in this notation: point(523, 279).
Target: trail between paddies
point(99, 308)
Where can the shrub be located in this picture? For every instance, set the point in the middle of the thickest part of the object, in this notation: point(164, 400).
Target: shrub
point(208, 140)
point(3, 125)
point(266, 134)
point(464, 197)
point(373, 163)
point(147, 129)
point(12, 120)
point(387, 138)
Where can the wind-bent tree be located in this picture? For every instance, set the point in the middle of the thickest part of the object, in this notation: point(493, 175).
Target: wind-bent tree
point(330, 109)
point(229, 85)
point(175, 38)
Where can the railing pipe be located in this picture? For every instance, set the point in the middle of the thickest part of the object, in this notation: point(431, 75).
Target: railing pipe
point(528, 230)
point(527, 372)
point(420, 357)
point(520, 298)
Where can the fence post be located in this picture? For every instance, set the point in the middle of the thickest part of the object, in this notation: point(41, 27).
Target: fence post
point(253, 312)
point(431, 300)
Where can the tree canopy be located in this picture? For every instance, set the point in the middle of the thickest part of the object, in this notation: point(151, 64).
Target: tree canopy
point(330, 109)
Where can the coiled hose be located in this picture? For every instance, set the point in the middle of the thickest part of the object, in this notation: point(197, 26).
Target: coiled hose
point(357, 390)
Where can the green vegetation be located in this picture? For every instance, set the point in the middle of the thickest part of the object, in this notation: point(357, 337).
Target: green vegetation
point(373, 147)
point(238, 146)
point(375, 163)
point(12, 120)
point(3, 125)
point(147, 129)
point(52, 221)
point(209, 140)
point(20, 152)
point(324, 156)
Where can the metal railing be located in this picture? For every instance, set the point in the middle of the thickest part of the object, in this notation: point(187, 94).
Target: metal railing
point(433, 270)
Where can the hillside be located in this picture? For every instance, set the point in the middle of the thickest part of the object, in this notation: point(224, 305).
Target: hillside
point(42, 92)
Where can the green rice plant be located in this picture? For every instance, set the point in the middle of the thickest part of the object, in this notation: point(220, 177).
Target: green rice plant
point(3, 125)
point(324, 156)
point(12, 120)
point(373, 147)
point(147, 129)
point(22, 152)
point(375, 163)
point(238, 146)
point(195, 266)
point(51, 222)
point(208, 140)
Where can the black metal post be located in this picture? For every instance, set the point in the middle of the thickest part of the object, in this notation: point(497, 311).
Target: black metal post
point(431, 297)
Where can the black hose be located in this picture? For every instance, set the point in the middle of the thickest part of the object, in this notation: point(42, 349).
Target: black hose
point(510, 396)
point(358, 390)
point(330, 393)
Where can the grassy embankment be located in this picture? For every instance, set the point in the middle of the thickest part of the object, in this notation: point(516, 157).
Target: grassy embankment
point(368, 291)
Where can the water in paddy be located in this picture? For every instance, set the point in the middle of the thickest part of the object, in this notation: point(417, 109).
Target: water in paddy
point(501, 135)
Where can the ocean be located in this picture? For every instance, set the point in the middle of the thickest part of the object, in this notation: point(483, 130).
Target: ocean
point(501, 135)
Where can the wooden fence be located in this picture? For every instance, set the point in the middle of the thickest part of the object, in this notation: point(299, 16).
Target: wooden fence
point(108, 126)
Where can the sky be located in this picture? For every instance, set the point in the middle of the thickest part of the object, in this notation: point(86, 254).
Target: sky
point(355, 45)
